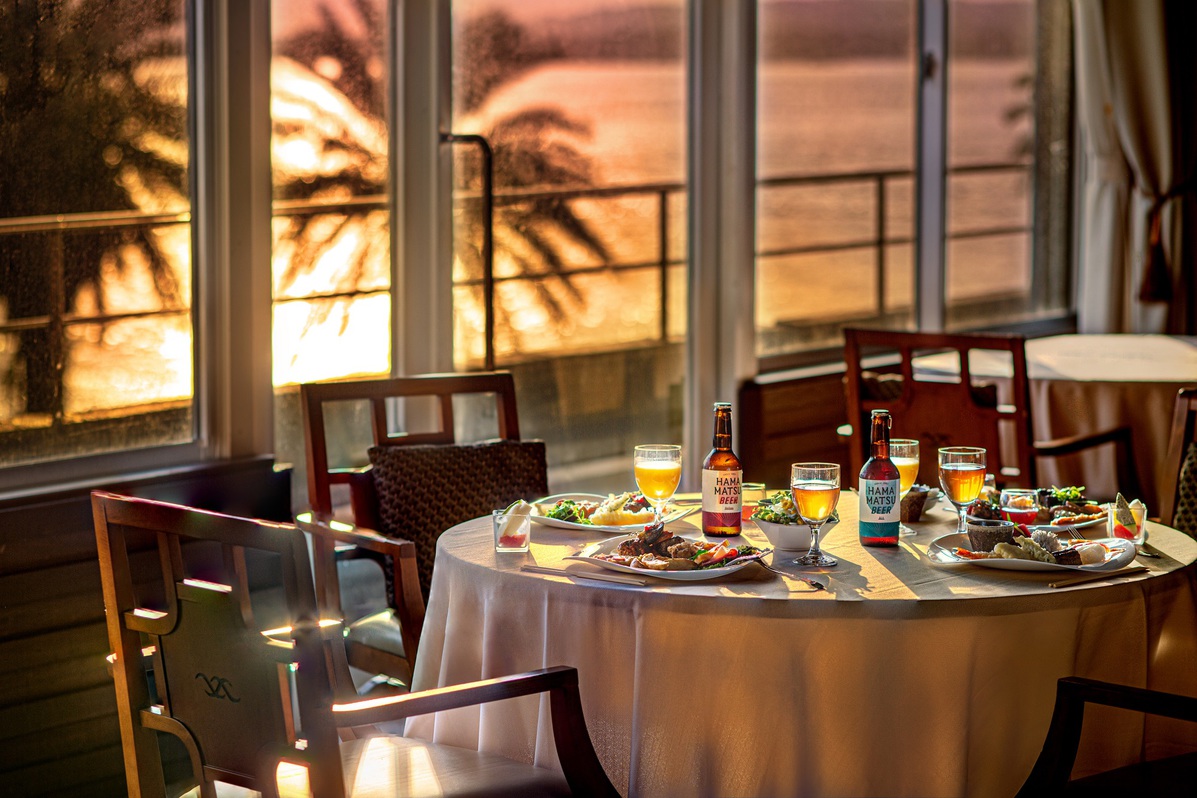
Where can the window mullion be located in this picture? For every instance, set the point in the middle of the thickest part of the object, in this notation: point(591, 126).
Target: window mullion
point(931, 168)
point(722, 191)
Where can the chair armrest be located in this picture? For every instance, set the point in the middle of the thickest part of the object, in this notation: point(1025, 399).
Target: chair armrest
point(1078, 443)
point(406, 598)
point(1124, 455)
point(1054, 765)
point(579, 762)
point(344, 532)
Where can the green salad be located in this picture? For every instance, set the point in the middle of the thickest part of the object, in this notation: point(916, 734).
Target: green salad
point(568, 510)
point(777, 509)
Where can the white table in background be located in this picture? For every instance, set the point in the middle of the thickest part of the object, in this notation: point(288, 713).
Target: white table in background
point(1086, 383)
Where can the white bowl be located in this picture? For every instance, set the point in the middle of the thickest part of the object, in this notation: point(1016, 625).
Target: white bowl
point(789, 537)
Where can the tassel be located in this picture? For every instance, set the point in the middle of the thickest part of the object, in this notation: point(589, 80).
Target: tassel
point(1157, 281)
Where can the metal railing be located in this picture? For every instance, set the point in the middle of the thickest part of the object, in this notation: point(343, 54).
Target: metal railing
point(880, 238)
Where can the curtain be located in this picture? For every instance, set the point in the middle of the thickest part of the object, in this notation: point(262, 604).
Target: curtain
point(1135, 84)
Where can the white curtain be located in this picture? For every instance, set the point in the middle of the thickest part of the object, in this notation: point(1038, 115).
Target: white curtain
point(1133, 175)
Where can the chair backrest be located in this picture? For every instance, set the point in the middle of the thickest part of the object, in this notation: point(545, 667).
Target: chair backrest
point(420, 484)
point(315, 396)
point(938, 411)
point(1178, 496)
point(238, 700)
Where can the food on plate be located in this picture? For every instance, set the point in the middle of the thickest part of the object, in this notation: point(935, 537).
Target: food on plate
point(1042, 545)
point(623, 510)
point(1067, 506)
point(626, 509)
point(986, 506)
point(658, 549)
point(1047, 540)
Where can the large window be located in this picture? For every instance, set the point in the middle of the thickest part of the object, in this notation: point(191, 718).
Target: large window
point(96, 341)
point(615, 129)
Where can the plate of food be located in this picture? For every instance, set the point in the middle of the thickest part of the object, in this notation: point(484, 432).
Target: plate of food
point(1053, 508)
point(658, 552)
point(1006, 548)
point(589, 512)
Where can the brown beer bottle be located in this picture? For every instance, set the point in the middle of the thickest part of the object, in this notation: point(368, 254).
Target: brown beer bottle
point(721, 480)
point(880, 512)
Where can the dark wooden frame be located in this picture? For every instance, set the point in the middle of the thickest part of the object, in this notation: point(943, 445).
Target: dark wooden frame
point(960, 400)
point(1053, 768)
point(327, 706)
point(1184, 432)
point(337, 541)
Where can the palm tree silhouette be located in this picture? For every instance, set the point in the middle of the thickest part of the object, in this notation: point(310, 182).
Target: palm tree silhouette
point(82, 116)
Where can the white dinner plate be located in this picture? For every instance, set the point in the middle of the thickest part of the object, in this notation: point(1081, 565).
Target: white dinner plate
point(672, 514)
point(609, 545)
point(943, 550)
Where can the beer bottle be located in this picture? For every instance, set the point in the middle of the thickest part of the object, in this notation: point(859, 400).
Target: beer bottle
point(880, 511)
point(721, 479)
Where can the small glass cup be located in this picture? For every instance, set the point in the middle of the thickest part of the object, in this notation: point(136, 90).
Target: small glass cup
point(512, 532)
point(1137, 534)
point(751, 494)
point(1020, 505)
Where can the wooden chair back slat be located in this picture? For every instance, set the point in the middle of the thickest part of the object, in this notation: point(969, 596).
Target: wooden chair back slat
point(943, 412)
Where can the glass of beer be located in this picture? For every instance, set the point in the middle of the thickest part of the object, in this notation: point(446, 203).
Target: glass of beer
point(816, 491)
point(658, 468)
point(904, 453)
point(961, 475)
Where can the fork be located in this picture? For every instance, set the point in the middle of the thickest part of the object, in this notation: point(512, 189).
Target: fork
point(1139, 550)
point(814, 583)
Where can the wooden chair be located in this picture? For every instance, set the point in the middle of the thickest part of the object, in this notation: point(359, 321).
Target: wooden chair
point(1175, 775)
point(396, 518)
point(1178, 494)
point(242, 701)
point(960, 412)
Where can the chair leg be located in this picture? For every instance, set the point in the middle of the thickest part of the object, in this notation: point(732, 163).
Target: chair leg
point(579, 762)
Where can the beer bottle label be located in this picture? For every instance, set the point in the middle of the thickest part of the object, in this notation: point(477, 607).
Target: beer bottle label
point(880, 512)
point(721, 502)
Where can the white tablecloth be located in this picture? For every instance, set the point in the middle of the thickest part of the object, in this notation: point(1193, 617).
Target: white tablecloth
point(903, 678)
point(1085, 383)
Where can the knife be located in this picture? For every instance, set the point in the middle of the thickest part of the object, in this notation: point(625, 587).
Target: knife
point(603, 577)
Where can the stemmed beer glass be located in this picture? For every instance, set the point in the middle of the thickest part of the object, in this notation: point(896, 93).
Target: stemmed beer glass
point(816, 491)
point(904, 452)
point(658, 468)
point(961, 475)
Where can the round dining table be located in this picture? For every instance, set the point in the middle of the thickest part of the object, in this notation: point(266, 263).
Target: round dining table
point(1086, 383)
point(902, 677)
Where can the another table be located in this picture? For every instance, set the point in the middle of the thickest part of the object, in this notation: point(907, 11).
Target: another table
point(903, 678)
point(1085, 383)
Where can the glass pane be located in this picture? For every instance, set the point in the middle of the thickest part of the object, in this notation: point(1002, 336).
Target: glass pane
point(835, 158)
point(584, 104)
point(329, 81)
point(331, 261)
point(1008, 161)
point(96, 343)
